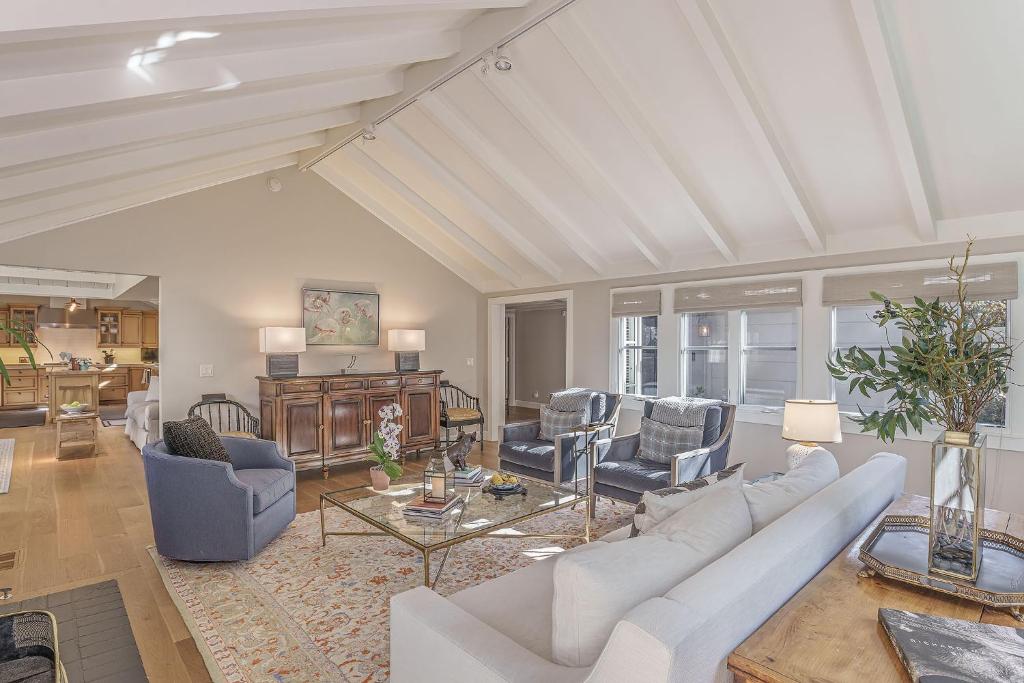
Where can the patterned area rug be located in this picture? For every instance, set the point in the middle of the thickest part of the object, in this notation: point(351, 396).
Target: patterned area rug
point(303, 612)
point(6, 463)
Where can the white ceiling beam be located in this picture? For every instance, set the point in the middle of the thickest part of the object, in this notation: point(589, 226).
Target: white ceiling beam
point(476, 144)
point(344, 182)
point(80, 212)
point(393, 134)
point(99, 86)
point(122, 283)
point(872, 30)
point(13, 210)
point(411, 197)
point(738, 86)
point(53, 274)
point(537, 118)
point(54, 290)
point(183, 119)
point(476, 39)
point(48, 19)
point(581, 45)
point(137, 160)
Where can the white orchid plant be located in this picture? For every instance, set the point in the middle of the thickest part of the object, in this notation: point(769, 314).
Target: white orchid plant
point(385, 446)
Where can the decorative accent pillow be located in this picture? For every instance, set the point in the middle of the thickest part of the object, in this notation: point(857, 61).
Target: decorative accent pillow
point(571, 400)
point(659, 441)
point(657, 506)
point(769, 500)
point(595, 588)
point(554, 422)
point(682, 411)
point(194, 438)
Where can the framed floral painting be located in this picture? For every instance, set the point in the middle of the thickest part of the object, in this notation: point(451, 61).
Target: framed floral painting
point(341, 318)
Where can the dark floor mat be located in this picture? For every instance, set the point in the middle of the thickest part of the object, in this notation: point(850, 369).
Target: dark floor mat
point(22, 417)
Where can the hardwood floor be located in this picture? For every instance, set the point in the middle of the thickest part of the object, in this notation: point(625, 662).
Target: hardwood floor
point(86, 519)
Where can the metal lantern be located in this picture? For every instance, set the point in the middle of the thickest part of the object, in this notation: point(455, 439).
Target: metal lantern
point(957, 505)
point(439, 480)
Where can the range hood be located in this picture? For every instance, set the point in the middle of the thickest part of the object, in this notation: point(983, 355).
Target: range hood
point(61, 318)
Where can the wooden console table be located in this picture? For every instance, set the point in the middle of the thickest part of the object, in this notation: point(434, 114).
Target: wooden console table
point(829, 631)
point(327, 419)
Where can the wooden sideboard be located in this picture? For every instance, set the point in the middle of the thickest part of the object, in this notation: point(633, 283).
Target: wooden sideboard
point(329, 419)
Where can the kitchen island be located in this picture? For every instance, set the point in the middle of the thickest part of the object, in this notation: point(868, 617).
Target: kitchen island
point(68, 386)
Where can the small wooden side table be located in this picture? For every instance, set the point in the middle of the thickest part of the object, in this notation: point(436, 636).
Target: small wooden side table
point(829, 630)
point(76, 430)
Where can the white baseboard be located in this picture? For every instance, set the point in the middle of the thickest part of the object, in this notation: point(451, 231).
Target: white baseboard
point(528, 404)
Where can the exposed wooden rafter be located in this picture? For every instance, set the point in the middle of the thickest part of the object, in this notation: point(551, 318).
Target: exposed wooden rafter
point(737, 85)
point(871, 26)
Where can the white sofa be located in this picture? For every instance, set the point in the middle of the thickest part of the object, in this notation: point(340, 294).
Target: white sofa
point(685, 635)
point(142, 419)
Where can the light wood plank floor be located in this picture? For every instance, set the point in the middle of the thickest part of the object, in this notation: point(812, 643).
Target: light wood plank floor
point(86, 519)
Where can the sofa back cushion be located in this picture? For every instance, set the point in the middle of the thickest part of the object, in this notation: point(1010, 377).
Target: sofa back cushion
point(770, 500)
point(595, 587)
point(657, 506)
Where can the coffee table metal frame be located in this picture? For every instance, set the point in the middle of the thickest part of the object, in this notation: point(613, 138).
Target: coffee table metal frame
point(426, 550)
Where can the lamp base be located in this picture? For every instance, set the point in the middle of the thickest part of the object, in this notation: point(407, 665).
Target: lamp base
point(407, 361)
point(796, 453)
point(282, 364)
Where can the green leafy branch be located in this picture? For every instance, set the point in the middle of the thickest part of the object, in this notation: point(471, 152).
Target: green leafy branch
point(20, 333)
point(383, 459)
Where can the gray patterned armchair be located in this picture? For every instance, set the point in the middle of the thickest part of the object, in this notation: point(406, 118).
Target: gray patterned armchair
point(620, 474)
point(522, 451)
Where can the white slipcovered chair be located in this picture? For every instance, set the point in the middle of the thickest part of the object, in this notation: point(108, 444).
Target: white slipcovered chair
point(142, 416)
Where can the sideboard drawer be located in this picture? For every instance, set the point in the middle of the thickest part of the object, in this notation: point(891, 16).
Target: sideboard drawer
point(424, 380)
point(346, 384)
point(19, 397)
point(300, 387)
point(22, 382)
point(385, 383)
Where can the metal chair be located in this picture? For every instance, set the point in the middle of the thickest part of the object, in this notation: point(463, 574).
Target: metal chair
point(227, 417)
point(460, 409)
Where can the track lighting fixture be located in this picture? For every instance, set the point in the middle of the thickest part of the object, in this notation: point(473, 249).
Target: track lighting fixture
point(368, 134)
point(502, 62)
point(499, 60)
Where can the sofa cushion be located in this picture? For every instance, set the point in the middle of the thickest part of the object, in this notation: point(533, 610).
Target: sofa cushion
point(268, 486)
point(632, 475)
point(659, 441)
point(194, 438)
point(769, 500)
point(537, 454)
point(555, 422)
point(658, 505)
point(595, 588)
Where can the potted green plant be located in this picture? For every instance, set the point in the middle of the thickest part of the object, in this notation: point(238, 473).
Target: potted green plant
point(385, 448)
point(950, 368)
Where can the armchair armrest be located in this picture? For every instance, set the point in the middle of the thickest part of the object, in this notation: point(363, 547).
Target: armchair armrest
point(690, 465)
point(566, 446)
point(247, 454)
point(136, 397)
point(619, 448)
point(521, 431)
point(433, 639)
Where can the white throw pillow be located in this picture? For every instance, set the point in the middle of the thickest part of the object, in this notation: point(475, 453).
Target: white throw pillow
point(153, 392)
point(657, 506)
point(769, 500)
point(595, 588)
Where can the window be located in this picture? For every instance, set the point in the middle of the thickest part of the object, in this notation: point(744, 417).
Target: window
point(855, 326)
point(705, 355)
point(769, 358)
point(638, 355)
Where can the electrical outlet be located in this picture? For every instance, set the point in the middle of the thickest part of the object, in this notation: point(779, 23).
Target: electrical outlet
point(470, 362)
point(206, 370)
point(536, 394)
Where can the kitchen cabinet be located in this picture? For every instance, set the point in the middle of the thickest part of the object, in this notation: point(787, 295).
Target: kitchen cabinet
point(113, 384)
point(348, 412)
point(138, 379)
point(150, 330)
point(27, 388)
point(131, 329)
point(5, 318)
point(108, 331)
point(24, 318)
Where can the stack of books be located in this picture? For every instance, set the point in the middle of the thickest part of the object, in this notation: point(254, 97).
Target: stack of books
point(471, 476)
point(417, 508)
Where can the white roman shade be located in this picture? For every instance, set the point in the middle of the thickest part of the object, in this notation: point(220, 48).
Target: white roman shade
point(733, 296)
point(646, 302)
point(985, 281)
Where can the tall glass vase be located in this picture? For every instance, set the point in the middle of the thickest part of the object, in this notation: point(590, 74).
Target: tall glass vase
point(957, 504)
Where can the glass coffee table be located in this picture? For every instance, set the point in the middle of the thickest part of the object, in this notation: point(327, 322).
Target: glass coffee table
point(478, 514)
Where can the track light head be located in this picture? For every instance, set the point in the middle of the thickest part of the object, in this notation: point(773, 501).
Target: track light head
point(502, 62)
point(368, 134)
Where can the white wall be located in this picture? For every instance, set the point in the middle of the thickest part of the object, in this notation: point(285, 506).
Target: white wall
point(235, 257)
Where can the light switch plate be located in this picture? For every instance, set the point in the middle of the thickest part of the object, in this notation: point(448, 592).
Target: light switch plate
point(206, 370)
point(470, 362)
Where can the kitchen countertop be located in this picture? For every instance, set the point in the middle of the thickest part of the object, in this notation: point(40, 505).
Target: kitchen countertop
point(356, 373)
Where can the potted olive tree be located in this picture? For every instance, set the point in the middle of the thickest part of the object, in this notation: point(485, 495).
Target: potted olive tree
point(950, 368)
point(385, 448)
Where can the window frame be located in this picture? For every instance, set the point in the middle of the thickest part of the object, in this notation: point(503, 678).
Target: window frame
point(623, 347)
point(744, 347)
point(685, 346)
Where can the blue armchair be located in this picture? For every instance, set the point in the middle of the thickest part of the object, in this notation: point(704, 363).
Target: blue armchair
point(208, 511)
point(522, 451)
point(620, 474)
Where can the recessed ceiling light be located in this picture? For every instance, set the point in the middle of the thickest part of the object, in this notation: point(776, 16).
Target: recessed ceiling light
point(274, 184)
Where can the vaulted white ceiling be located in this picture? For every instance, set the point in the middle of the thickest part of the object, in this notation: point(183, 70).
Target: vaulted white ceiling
point(628, 138)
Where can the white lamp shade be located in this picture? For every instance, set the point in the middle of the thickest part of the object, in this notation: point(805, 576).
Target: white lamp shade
point(407, 340)
point(282, 339)
point(812, 422)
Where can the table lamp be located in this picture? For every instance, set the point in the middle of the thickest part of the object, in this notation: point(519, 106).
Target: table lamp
point(407, 345)
point(282, 346)
point(809, 422)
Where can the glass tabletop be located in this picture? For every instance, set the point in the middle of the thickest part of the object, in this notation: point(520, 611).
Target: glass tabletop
point(477, 513)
